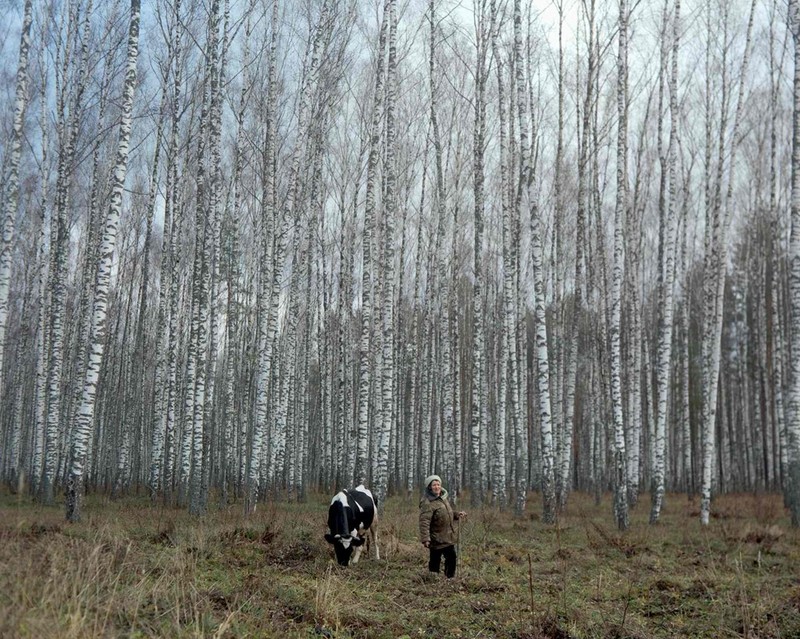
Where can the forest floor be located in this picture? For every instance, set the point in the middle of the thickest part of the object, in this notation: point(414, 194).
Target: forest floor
point(130, 569)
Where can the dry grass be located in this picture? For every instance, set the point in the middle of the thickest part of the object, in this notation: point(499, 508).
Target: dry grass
point(133, 570)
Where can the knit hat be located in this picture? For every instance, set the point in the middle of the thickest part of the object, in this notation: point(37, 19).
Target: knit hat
point(431, 478)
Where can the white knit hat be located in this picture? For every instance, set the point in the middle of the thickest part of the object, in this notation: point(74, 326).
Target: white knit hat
point(430, 478)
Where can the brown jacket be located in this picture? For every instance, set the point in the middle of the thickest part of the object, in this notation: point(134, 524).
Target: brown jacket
point(436, 520)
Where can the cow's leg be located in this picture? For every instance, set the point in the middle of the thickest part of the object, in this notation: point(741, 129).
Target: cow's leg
point(373, 538)
point(356, 554)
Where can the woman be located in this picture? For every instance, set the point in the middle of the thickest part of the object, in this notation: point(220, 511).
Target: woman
point(436, 529)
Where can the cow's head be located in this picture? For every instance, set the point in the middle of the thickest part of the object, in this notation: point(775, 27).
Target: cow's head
point(343, 546)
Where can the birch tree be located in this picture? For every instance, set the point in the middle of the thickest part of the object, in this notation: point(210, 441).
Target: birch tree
point(667, 264)
point(293, 213)
point(162, 424)
point(82, 429)
point(367, 264)
point(389, 421)
point(233, 420)
point(507, 334)
point(69, 92)
point(572, 332)
point(36, 467)
point(479, 398)
point(718, 205)
point(449, 397)
point(527, 197)
point(584, 126)
point(620, 209)
point(192, 451)
point(11, 196)
point(269, 280)
point(508, 401)
point(777, 296)
point(793, 394)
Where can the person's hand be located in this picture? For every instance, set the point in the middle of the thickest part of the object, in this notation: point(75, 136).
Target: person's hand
point(427, 544)
point(462, 514)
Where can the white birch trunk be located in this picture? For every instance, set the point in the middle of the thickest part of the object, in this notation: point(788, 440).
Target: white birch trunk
point(664, 365)
point(212, 274)
point(714, 277)
point(83, 426)
point(571, 368)
point(455, 335)
point(195, 356)
point(620, 210)
point(293, 213)
point(286, 431)
point(519, 389)
point(709, 303)
point(418, 435)
point(160, 439)
point(448, 398)
point(389, 421)
point(507, 334)
point(525, 197)
point(581, 241)
point(778, 233)
point(171, 434)
point(268, 298)
point(195, 388)
point(12, 180)
point(686, 423)
point(344, 441)
point(67, 127)
point(793, 394)
point(42, 342)
point(327, 476)
point(157, 434)
point(367, 265)
point(478, 404)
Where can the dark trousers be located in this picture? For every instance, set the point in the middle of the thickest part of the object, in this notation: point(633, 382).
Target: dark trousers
point(449, 553)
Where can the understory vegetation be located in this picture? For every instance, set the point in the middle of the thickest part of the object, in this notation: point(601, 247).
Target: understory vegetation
point(131, 569)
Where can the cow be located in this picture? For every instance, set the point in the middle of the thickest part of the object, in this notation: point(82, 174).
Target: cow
point(351, 515)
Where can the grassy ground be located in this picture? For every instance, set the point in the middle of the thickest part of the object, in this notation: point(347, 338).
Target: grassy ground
point(134, 570)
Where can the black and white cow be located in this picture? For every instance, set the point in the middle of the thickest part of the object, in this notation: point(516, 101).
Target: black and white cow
point(351, 515)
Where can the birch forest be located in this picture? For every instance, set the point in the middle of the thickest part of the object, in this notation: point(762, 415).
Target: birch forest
point(255, 249)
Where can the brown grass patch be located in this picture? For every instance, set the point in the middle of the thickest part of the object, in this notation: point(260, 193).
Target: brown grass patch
point(136, 570)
